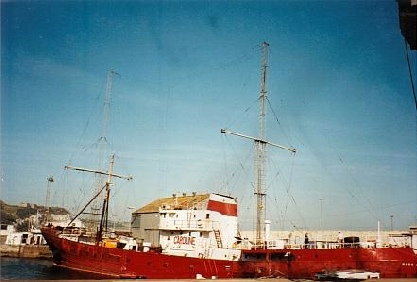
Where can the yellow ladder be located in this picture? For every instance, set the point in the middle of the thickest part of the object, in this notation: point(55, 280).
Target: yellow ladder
point(218, 238)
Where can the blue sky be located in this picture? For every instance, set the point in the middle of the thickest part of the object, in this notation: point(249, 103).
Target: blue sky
point(338, 87)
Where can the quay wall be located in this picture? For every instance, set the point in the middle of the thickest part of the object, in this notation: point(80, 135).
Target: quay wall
point(26, 251)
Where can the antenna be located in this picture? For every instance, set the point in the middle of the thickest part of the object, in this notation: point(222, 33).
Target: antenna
point(95, 210)
point(106, 109)
point(102, 228)
point(260, 146)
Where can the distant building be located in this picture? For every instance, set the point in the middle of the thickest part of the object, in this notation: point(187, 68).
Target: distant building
point(63, 220)
point(5, 229)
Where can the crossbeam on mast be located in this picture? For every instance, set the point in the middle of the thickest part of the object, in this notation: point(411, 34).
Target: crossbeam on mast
point(257, 139)
point(127, 177)
point(105, 207)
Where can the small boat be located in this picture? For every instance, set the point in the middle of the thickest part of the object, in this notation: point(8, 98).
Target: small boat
point(347, 275)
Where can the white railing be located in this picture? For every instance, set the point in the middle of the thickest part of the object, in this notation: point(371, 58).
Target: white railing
point(180, 224)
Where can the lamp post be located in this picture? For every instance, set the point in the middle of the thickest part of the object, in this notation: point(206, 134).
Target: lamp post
point(321, 213)
point(391, 216)
point(130, 220)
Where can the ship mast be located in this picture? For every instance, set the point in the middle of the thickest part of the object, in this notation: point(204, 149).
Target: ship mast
point(105, 206)
point(95, 207)
point(260, 149)
point(109, 87)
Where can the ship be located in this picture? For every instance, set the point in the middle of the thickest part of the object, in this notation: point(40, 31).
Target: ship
point(197, 236)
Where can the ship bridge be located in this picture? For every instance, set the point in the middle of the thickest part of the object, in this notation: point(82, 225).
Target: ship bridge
point(211, 218)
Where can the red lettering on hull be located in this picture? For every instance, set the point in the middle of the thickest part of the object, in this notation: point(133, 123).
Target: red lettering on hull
point(184, 240)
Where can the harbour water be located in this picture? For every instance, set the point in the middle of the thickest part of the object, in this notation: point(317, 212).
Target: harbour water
point(35, 269)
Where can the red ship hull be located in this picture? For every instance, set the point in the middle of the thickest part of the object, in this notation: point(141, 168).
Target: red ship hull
point(289, 263)
point(119, 263)
point(305, 263)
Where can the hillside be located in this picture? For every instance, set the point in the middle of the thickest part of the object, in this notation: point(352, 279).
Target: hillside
point(9, 214)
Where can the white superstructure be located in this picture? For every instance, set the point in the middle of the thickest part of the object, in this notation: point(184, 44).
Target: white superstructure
point(203, 226)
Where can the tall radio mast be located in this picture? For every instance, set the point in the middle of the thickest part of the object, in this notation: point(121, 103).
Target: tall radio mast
point(95, 207)
point(261, 147)
point(260, 150)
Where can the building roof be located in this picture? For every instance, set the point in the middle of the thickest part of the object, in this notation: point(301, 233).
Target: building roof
point(174, 202)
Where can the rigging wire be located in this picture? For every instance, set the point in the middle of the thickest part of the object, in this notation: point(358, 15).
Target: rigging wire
point(367, 204)
point(241, 114)
point(240, 162)
point(249, 55)
point(80, 149)
point(369, 207)
point(86, 125)
point(410, 73)
point(245, 203)
point(277, 120)
point(89, 202)
point(64, 174)
point(287, 184)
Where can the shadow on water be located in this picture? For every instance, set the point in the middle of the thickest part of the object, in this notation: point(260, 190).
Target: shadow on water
point(25, 269)
point(35, 269)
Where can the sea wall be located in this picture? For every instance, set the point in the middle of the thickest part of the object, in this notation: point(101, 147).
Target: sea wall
point(25, 251)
